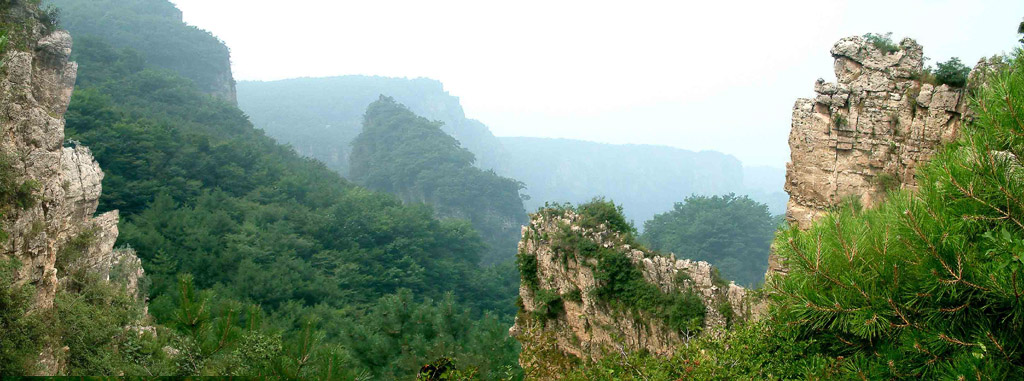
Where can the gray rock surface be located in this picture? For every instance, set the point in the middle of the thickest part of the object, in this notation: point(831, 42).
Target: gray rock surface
point(866, 133)
point(35, 91)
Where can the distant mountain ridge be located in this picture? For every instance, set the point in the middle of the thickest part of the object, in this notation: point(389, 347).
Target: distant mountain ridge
point(320, 117)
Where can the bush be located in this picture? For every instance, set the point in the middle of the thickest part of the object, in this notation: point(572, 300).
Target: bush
point(600, 211)
point(952, 73)
point(20, 333)
point(883, 42)
point(928, 284)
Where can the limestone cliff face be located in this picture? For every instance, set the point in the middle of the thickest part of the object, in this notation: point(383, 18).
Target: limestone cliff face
point(587, 328)
point(865, 134)
point(35, 89)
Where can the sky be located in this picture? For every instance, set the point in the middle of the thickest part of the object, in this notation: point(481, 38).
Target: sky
point(700, 75)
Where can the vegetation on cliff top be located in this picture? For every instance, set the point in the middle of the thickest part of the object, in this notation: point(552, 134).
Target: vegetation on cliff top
point(930, 284)
point(620, 282)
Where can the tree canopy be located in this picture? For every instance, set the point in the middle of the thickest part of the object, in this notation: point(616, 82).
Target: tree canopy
point(732, 232)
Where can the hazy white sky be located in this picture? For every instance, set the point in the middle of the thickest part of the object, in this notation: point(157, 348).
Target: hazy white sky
point(716, 75)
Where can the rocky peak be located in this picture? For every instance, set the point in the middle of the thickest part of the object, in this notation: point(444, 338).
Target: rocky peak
point(58, 231)
point(866, 133)
point(567, 315)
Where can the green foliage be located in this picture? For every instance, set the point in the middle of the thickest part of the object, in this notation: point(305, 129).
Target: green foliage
point(927, 285)
point(883, 42)
point(21, 332)
point(527, 265)
point(154, 30)
point(401, 153)
point(732, 233)
point(202, 192)
point(14, 195)
point(399, 335)
point(605, 212)
point(621, 284)
point(549, 304)
point(839, 120)
point(952, 73)
point(886, 182)
point(755, 351)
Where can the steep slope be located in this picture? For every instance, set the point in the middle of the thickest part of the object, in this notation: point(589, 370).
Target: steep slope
point(589, 291)
point(155, 30)
point(49, 192)
point(409, 156)
point(321, 116)
point(205, 197)
point(864, 136)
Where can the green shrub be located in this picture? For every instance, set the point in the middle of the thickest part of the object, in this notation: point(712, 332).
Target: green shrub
point(952, 73)
point(600, 211)
point(883, 42)
point(549, 304)
point(928, 284)
point(621, 283)
point(527, 264)
point(21, 333)
point(886, 182)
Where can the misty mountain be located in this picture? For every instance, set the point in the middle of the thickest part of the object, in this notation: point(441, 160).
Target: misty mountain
point(409, 156)
point(154, 31)
point(320, 117)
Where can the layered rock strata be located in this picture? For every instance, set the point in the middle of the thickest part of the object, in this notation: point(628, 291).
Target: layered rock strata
point(865, 134)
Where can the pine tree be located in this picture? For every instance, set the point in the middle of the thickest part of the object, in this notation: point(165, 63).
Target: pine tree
point(930, 284)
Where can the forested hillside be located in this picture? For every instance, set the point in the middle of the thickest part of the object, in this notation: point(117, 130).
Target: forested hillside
point(153, 28)
point(321, 116)
point(410, 156)
point(378, 286)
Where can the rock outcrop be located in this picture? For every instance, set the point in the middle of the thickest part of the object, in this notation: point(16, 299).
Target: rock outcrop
point(58, 231)
point(865, 135)
point(586, 327)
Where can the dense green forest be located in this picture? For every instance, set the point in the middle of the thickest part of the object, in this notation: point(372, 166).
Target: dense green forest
point(927, 285)
point(145, 26)
point(224, 218)
point(401, 153)
point(321, 116)
point(733, 233)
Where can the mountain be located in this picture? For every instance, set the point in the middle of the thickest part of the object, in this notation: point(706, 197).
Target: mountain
point(154, 29)
point(320, 117)
point(645, 179)
point(407, 155)
point(258, 261)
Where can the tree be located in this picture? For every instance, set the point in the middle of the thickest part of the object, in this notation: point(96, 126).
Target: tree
point(952, 72)
point(733, 233)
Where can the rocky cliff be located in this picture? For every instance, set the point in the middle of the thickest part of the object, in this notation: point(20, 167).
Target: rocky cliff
point(590, 291)
point(55, 229)
point(865, 135)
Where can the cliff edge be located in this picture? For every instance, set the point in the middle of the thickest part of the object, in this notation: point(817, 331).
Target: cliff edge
point(54, 229)
point(589, 290)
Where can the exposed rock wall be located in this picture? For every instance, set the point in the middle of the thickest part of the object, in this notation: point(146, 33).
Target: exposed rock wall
point(35, 90)
point(865, 134)
point(589, 328)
